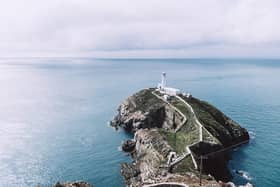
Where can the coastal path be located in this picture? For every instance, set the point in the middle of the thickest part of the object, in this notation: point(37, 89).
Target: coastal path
point(200, 126)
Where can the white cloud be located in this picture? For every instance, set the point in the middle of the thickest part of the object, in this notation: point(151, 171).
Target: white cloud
point(144, 28)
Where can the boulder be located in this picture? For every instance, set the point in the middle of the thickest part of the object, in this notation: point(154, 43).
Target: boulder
point(128, 146)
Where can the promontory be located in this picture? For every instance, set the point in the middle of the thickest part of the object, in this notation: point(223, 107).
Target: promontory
point(179, 140)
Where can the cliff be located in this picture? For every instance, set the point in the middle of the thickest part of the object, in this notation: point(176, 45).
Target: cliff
point(176, 138)
point(144, 110)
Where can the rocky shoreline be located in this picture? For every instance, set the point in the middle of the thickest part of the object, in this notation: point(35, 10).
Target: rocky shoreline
point(175, 139)
point(72, 184)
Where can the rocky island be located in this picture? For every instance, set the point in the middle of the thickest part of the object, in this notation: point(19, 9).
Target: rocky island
point(179, 140)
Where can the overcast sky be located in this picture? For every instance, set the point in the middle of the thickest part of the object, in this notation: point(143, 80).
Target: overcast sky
point(144, 28)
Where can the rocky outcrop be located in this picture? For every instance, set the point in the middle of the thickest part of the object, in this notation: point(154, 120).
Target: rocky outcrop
point(150, 158)
point(160, 155)
point(73, 184)
point(145, 110)
point(128, 146)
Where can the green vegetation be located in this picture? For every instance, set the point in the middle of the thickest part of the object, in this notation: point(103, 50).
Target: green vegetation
point(179, 105)
point(212, 119)
point(146, 101)
point(158, 93)
point(185, 165)
point(207, 136)
point(178, 141)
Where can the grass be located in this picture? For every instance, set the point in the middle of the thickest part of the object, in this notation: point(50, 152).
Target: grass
point(178, 141)
point(180, 105)
point(207, 136)
point(190, 124)
point(185, 165)
point(146, 101)
point(207, 115)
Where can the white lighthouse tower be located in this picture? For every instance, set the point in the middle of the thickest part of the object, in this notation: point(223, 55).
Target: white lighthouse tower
point(163, 80)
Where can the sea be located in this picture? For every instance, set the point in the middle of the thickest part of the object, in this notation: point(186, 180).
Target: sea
point(55, 113)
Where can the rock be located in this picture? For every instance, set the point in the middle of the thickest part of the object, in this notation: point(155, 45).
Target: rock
point(247, 185)
point(228, 184)
point(130, 173)
point(144, 110)
point(128, 146)
point(58, 185)
point(73, 184)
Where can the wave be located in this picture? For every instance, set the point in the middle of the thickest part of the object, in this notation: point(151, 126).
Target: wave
point(252, 135)
point(244, 174)
point(119, 148)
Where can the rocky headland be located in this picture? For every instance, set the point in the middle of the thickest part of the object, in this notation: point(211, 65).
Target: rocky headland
point(179, 140)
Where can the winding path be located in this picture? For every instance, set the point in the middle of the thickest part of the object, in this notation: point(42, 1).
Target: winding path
point(195, 118)
point(200, 126)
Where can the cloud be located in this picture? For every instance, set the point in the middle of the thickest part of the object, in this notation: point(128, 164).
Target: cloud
point(108, 28)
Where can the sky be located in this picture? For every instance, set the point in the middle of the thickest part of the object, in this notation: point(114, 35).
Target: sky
point(140, 29)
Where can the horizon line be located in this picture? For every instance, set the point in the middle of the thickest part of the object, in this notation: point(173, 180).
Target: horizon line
point(145, 58)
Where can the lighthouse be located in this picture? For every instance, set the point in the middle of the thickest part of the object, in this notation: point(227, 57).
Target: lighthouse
point(166, 90)
point(163, 80)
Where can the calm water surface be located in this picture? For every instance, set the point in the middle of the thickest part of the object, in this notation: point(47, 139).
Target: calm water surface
point(54, 114)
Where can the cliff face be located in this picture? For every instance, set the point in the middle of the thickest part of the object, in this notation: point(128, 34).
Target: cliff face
point(149, 166)
point(145, 110)
point(151, 152)
point(171, 136)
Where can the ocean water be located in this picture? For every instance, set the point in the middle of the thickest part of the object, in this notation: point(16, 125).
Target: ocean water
point(54, 114)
